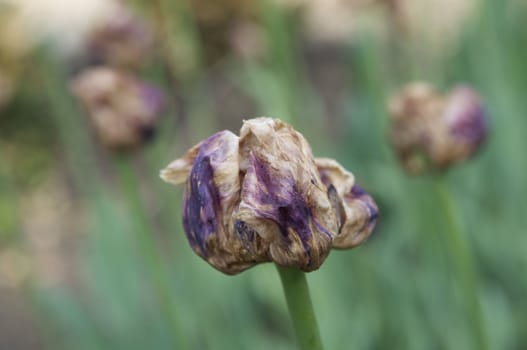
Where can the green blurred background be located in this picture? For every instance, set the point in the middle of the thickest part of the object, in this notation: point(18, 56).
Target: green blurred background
point(92, 252)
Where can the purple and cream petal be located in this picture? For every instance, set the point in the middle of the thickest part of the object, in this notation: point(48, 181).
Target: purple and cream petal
point(212, 193)
point(356, 209)
point(361, 217)
point(283, 198)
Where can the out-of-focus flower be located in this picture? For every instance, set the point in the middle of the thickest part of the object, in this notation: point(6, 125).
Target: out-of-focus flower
point(248, 40)
point(262, 197)
point(123, 109)
point(62, 22)
point(216, 20)
point(442, 30)
point(121, 38)
point(431, 132)
point(339, 21)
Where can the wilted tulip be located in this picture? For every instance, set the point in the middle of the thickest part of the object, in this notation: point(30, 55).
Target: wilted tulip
point(123, 109)
point(262, 197)
point(432, 132)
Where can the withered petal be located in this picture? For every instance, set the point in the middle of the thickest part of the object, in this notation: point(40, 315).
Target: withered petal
point(177, 171)
point(282, 196)
point(357, 209)
point(212, 192)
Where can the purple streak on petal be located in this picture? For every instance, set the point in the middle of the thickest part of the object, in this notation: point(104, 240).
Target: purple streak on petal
point(202, 203)
point(374, 213)
point(358, 193)
point(288, 207)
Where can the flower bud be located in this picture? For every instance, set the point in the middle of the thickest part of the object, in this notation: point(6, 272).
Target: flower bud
point(432, 132)
point(262, 197)
point(123, 109)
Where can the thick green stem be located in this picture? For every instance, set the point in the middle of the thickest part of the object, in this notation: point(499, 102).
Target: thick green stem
point(465, 269)
point(300, 307)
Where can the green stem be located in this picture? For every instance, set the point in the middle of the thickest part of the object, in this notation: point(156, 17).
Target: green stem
point(463, 260)
point(300, 307)
point(142, 228)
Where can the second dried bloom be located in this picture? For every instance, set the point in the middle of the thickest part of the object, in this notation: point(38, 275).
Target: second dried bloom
point(431, 132)
point(123, 109)
point(262, 197)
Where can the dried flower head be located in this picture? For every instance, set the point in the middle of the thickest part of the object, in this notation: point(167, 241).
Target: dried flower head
point(431, 132)
point(262, 197)
point(123, 109)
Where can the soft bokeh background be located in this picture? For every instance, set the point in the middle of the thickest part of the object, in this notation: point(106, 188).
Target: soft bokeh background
point(92, 253)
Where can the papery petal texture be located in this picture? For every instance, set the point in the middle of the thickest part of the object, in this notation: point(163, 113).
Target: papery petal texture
point(262, 197)
point(211, 194)
point(283, 198)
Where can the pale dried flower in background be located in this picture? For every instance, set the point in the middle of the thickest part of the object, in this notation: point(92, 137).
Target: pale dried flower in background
point(123, 109)
point(430, 131)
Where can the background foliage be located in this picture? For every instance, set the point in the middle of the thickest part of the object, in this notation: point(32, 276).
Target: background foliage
point(121, 274)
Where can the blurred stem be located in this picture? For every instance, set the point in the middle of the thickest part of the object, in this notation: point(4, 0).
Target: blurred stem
point(185, 71)
point(463, 260)
point(300, 307)
point(145, 237)
point(71, 128)
point(284, 58)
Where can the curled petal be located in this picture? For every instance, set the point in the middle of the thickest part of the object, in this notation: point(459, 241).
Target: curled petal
point(356, 209)
point(177, 171)
point(282, 197)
